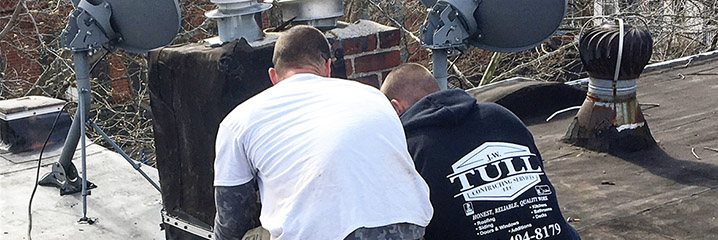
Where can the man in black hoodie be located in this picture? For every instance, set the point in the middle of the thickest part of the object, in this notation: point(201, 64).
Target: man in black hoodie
point(484, 171)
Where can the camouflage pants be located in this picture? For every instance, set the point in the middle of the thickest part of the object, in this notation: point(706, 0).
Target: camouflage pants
point(399, 231)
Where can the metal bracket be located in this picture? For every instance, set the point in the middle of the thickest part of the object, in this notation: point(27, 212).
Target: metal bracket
point(185, 225)
point(88, 27)
point(444, 29)
point(58, 177)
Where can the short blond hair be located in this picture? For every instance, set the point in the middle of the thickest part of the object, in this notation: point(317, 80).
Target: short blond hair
point(409, 82)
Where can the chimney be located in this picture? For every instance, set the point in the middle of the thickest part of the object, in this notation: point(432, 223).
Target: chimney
point(610, 119)
point(235, 19)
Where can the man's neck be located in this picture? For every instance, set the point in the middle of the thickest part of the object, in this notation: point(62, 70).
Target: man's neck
point(291, 72)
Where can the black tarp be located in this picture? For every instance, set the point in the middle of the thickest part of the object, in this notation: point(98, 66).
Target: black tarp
point(192, 88)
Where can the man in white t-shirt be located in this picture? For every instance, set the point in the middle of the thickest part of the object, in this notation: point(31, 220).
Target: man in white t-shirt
point(329, 156)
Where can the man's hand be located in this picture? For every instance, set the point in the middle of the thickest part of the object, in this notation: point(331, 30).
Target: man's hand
point(237, 210)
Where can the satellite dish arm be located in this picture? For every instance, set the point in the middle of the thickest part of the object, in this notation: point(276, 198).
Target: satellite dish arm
point(101, 11)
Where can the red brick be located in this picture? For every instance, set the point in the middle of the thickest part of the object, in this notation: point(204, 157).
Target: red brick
point(371, 80)
point(390, 39)
point(117, 67)
point(121, 90)
point(7, 6)
point(350, 69)
point(357, 45)
point(120, 82)
point(20, 64)
point(376, 62)
point(265, 21)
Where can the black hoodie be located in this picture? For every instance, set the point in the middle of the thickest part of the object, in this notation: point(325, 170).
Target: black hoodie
point(484, 171)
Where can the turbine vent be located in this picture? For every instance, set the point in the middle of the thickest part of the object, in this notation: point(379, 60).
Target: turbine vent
point(599, 51)
point(610, 119)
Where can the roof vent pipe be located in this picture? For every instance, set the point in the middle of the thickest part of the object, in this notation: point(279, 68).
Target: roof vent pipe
point(235, 19)
point(610, 119)
point(322, 14)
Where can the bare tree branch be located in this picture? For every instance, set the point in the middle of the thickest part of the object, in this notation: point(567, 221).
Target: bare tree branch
point(11, 23)
point(561, 50)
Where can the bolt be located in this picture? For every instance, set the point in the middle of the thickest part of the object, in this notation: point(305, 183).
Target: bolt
point(457, 39)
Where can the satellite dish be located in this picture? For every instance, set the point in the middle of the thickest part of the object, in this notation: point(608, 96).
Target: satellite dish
point(495, 25)
point(516, 25)
point(134, 25)
point(144, 24)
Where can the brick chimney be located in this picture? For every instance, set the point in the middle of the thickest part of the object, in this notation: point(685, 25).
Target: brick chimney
point(369, 51)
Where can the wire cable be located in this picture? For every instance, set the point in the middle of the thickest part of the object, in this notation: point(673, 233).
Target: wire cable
point(39, 165)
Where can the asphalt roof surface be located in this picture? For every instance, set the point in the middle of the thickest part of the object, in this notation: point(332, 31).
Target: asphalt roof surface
point(667, 192)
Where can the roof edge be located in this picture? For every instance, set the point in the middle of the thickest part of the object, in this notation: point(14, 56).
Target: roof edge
point(660, 65)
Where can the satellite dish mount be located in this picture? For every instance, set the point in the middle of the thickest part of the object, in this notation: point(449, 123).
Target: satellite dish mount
point(90, 27)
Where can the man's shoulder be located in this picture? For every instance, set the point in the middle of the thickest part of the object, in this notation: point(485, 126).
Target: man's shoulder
point(241, 112)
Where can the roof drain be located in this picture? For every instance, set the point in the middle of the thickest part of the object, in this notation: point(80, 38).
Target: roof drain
point(610, 119)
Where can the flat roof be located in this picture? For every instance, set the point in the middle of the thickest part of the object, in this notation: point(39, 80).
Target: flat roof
point(668, 192)
point(125, 204)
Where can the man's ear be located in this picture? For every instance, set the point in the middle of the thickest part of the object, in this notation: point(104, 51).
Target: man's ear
point(327, 68)
point(273, 76)
point(398, 106)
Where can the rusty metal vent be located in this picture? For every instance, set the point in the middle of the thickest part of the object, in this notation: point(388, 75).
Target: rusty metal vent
point(610, 119)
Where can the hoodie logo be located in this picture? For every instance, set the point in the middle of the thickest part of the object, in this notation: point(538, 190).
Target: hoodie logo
point(495, 171)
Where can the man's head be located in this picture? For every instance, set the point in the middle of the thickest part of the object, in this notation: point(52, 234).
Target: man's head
point(301, 49)
point(407, 84)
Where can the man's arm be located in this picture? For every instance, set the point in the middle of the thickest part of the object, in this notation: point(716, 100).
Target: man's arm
point(237, 210)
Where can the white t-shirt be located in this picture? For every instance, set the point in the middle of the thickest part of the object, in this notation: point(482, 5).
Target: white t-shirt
point(330, 156)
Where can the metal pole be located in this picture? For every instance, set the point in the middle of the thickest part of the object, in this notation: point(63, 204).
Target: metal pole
point(73, 136)
point(82, 73)
point(439, 57)
point(136, 166)
point(68, 149)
